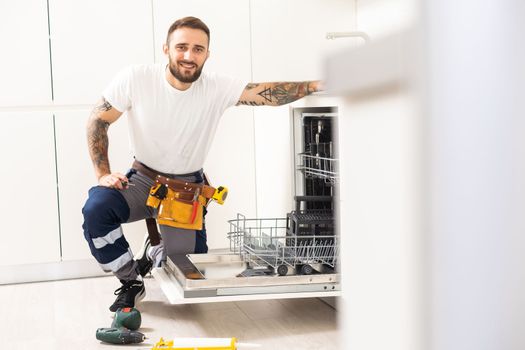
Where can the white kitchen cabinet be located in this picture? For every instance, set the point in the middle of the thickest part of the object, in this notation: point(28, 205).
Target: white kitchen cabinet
point(231, 163)
point(25, 68)
point(274, 159)
point(288, 44)
point(289, 37)
point(29, 212)
point(76, 176)
point(379, 18)
point(382, 206)
point(92, 40)
point(380, 219)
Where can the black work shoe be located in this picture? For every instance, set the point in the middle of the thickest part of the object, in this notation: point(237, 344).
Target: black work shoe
point(128, 295)
point(144, 263)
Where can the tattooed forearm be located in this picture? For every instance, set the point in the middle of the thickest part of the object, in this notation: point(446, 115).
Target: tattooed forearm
point(285, 93)
point(97, 136)
point(98, 143)
point(276, 94)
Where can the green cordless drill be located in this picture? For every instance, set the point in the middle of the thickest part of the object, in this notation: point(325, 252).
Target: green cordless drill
point(123, 328)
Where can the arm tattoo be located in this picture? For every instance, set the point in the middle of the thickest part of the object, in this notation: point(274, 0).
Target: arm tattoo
point(103, 107)
point(277, 94)
point(97, 135)
point(288, 92)
point(266, 94)
point(251, 103)
point(98, 144)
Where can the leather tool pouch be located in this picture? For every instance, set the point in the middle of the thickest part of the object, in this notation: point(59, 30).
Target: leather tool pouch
point(178, 206)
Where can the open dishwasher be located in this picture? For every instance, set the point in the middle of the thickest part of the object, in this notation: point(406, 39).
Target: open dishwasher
point(292, 256)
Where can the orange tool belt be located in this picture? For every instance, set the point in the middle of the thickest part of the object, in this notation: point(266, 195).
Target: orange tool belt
point(179, 203)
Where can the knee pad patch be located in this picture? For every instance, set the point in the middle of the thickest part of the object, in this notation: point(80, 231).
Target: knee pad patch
point(104, 211)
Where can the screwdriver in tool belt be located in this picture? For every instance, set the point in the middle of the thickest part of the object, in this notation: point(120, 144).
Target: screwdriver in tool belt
point(195, 204)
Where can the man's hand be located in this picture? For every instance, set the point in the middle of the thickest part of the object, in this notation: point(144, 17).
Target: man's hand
point(115, 180)
point(277, 94)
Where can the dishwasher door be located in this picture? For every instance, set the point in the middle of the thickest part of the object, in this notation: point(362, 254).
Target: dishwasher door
point(222, 276)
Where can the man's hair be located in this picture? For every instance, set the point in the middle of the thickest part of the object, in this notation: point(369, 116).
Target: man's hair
point(190, 22)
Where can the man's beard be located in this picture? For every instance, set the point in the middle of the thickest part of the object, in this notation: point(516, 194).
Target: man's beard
point(176, 72)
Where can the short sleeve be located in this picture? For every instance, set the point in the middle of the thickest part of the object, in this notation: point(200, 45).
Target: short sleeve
point(231, 88)
point(118, 92)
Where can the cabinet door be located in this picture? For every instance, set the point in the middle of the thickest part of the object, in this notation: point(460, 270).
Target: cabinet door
point(289, 44)
point(24, 39)
point(76, 176)
point(379, 213)
point(28, 207)
point(92, 40)
point(379, 18)
point(289, 36)
point(230, 161)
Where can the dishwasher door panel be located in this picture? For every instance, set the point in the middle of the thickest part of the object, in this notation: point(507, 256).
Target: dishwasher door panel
point(215, 277)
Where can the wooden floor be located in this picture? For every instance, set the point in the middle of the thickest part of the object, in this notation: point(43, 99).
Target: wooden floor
point(65, 314)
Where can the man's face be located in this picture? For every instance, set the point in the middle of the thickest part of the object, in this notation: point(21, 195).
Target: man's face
point(187, 52)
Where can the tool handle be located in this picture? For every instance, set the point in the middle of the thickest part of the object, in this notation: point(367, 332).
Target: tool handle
point(127, 317)
point(194, 211)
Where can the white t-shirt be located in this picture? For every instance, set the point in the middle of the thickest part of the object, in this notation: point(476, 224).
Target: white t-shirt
point(171, 130)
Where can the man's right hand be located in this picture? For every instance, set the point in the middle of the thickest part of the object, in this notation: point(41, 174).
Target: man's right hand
point(115, 180)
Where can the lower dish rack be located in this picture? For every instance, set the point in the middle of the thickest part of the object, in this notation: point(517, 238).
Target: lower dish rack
point(303, 243)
